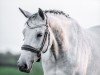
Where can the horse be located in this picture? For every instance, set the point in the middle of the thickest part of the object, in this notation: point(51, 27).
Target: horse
point(62, 45)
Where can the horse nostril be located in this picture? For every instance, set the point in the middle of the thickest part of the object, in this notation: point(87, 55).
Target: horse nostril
point(22, 66)
point(25, 66)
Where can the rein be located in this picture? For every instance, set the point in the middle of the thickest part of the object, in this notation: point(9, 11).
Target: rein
point(35, 50)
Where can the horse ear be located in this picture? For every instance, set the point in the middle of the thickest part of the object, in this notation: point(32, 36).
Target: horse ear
point(41, 14)
point(25, 13)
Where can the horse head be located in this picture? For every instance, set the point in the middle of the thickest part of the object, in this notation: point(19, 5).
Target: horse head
point(36, 36)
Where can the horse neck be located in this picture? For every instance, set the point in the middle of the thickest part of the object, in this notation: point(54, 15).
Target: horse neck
point(67, 32)
point(58, 29)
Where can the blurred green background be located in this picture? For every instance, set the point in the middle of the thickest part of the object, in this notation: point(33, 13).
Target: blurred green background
point(8, 66)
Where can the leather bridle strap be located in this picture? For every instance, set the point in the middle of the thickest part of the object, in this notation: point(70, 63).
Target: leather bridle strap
point(29, 48)
point(44, 40)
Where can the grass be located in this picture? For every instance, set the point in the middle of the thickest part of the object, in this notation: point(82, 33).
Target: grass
point(37, 70)
point(10, 71)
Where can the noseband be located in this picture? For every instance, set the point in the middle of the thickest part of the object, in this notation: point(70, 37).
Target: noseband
point(35, 50)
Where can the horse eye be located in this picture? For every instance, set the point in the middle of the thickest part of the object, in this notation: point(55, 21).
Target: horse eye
point(39, 34)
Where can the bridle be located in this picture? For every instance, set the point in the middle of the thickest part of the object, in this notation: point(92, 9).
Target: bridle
point(35, 50)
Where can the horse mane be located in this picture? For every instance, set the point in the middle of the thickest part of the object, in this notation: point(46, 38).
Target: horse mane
point(58, 31)
point(56, 12)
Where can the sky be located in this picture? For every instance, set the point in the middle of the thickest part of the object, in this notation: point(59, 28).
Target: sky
point(85, 12)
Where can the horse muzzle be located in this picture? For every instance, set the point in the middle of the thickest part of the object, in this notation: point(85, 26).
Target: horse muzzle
point(23, 67)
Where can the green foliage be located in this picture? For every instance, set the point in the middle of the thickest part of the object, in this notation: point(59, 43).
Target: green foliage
point(8, 58)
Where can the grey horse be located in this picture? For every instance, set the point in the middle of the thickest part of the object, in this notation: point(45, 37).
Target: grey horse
point(64, 47)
